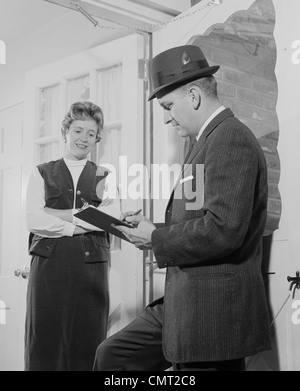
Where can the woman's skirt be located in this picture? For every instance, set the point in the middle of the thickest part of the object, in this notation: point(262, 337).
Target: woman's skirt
point(67, 309)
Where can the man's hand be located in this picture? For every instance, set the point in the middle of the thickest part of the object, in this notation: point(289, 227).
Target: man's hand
point(141, 235)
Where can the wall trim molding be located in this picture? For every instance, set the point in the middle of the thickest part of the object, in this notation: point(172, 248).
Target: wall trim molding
point(11, 105)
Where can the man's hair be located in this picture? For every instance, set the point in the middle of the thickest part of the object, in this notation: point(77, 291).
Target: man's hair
point(82, 111)
point(207, 84)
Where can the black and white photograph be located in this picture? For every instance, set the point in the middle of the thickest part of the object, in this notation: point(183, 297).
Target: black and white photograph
point(149, 188)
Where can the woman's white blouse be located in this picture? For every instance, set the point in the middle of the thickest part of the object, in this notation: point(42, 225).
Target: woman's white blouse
point(41, 223)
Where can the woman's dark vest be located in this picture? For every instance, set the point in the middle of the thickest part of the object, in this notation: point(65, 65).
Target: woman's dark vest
point(59, 194)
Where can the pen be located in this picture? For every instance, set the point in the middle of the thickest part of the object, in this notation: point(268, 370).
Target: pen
point(133, 214)
point(85, 204)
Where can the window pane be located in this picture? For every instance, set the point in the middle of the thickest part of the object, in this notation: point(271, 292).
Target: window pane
point(47, 152)
point(78, 90)
point(110, 93)
point(49, 121)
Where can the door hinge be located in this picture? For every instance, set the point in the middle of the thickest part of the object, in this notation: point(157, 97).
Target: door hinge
point(294, 283)
point(143, 69)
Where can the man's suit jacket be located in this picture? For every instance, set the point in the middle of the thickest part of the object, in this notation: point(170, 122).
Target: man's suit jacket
point(215, 305)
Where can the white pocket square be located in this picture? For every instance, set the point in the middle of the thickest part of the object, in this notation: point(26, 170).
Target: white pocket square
point(187, 178)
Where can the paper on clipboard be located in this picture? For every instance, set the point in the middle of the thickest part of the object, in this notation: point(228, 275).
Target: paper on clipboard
point(102, 220)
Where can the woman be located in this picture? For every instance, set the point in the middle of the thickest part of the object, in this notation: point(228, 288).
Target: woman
point(68, 298)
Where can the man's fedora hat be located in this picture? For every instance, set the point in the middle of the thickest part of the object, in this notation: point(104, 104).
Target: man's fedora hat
point(177, 66)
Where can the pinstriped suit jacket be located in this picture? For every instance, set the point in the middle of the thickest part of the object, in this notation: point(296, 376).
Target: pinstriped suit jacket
point(215, 304)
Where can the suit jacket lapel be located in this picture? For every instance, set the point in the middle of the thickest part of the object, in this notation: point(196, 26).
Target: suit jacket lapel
point(199, 144)
point(210, 127)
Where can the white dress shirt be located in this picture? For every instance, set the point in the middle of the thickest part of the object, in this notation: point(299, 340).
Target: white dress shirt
point(214, 114)
point(41, 223)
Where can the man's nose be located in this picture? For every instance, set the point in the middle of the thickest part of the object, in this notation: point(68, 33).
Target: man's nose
point(167, 117)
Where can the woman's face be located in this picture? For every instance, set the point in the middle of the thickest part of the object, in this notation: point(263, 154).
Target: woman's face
point(80, 139)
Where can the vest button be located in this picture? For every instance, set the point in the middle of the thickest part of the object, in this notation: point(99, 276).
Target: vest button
point(87, 254)
point(78, 192)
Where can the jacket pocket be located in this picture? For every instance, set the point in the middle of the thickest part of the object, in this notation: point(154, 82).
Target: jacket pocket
point(213, 276)
point(197, 273)
point(42, 246)
point(96, 248)
point(101, 241)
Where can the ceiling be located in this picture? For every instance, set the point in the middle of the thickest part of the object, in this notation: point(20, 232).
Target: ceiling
point(21, 17)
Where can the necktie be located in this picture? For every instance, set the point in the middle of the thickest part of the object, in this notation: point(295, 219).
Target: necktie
point(193, 143)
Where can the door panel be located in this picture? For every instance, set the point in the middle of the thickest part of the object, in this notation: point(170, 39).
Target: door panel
point(11, 259)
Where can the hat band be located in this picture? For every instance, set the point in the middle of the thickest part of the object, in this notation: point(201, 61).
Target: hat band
point(175, 74)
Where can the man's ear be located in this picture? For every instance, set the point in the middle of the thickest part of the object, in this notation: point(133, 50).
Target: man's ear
point(195, 98)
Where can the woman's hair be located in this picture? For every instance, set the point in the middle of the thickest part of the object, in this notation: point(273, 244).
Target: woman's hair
point(82, 111)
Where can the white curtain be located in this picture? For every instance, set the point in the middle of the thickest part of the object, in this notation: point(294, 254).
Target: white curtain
point(49, 123)
point(110, 93)
point(49, 111)
point(78, 89)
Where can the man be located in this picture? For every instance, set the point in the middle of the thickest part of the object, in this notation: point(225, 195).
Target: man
point(214, 311)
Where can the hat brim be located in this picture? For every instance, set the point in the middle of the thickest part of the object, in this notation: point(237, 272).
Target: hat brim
point(159, 92)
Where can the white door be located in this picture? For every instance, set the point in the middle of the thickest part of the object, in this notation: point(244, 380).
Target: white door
point(109, 76)
point(13, 255)
point(242, 36)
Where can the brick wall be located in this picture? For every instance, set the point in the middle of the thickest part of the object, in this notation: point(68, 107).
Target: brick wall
point(244, 46)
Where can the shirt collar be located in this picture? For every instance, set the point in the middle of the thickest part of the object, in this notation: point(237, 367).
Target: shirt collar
point(214, 114)
point(75, 163)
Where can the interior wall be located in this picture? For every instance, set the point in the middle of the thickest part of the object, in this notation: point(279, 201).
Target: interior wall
point(63, 37)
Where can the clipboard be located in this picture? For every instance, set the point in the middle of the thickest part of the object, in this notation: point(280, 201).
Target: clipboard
point(102, 220)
